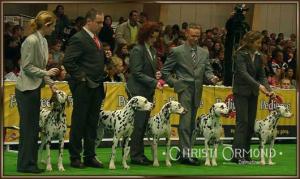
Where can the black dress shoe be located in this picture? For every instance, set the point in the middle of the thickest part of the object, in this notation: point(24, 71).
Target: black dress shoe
point(36, 170)
point(190, 161)
point(77, 164)
point(141, 162)
point(145, 159)
point(93, 162)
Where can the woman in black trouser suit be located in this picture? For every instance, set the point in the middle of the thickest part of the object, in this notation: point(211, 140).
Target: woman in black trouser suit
point(249, 79)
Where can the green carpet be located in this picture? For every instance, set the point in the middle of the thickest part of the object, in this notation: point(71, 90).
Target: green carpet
point(285, 160)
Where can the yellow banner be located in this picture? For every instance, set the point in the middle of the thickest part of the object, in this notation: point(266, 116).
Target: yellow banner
point(116, 98)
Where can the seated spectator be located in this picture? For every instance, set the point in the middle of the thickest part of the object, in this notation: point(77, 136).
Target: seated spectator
point(119, 67)
point(278, 61)
point(55, 51)
point(285, 83)
point(123, 52)
point(274, 79)
point(293, 38)
point(291, 75)
point(267, 65)
point(111, 72)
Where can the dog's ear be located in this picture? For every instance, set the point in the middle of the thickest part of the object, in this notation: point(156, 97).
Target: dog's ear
point(133, 103)
point(212, 109)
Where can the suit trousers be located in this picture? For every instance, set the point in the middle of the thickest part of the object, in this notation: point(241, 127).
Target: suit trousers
point(245, 107)
point(86, 107)
point(140, 124)
point(187, 121)
point(29, 103)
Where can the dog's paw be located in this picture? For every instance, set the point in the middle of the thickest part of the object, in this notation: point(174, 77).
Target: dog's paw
point(207, 163)
point(168, 164)
point(156, 164)
point(126, 167)
point(262, 163)
point(49, 168)
point(61, 168)
point(112, 166)
point(214, 163)
point(272, 163)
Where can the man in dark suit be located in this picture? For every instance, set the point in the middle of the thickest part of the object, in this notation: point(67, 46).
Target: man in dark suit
point(142, 82)
point(84, 61)
point(190, 65)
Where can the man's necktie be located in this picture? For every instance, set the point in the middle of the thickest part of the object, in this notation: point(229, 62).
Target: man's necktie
point(97, 42)
point(194, 55)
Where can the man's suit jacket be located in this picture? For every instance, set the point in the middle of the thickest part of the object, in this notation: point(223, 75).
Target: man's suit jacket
point(33, 64)
point(186, 70)
point(141, 79)
point(248, 75)
point(83, 60)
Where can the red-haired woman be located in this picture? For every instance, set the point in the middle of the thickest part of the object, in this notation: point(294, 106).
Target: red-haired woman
point(142, 81)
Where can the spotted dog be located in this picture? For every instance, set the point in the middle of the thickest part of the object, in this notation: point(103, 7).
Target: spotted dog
point(53, 125)
point(159, 126)
point(267, 130)
point(209, 125)
point(121, 122)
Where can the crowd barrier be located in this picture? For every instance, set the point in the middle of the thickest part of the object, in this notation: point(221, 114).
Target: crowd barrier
point(116, 98)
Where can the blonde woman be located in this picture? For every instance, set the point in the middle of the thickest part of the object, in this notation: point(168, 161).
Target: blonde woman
point(33, 76)
point(249, 78)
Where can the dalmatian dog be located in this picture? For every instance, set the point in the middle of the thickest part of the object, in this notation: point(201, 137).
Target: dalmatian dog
point(209, 125)
point(121, 122)
point(159, 126)
point(267, 130)
point(53, 125)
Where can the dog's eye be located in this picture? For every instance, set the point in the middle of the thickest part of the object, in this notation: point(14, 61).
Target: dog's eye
point(222, 107)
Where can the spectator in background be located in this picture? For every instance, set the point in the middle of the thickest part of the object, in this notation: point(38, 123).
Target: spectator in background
point(119, 69)
point(111, 72)
point(79, 23)
point(168, 36)
point(273, 39)
point(62, 23)
point(274, 78)
point(55, 51)
point(184, 27)
point(12, 48)
point(280, 38)
point(290, 74)
point(123, 54)
point(293, 38)
point(217, 64)
point(290, 59)
point(267, 65)
point(143, 18)
point(278, 61)
point(107, 33)
point(128, 31)
point(122, 20)
point(266, 38)
point(285, 83)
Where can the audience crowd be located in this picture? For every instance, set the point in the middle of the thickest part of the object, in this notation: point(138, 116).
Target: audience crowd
point(278, 52)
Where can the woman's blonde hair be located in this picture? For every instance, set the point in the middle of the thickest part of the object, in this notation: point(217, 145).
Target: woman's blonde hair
point(41, 19)
point(249, 38)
